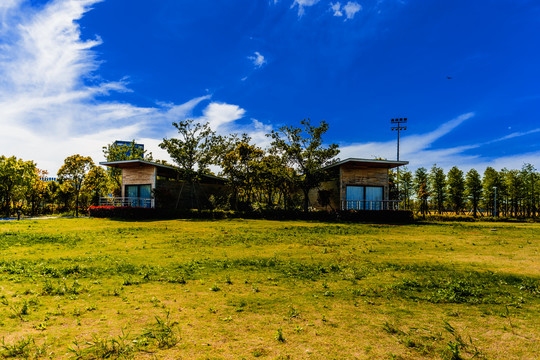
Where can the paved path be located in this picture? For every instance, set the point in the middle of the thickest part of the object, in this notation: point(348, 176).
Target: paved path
point(42, 218)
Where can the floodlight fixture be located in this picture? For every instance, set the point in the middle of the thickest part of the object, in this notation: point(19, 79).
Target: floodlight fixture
point(398, 122)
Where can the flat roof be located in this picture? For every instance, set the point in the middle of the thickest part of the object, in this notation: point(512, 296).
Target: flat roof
point(133, 163)
point(121, 164)
point(389, 164)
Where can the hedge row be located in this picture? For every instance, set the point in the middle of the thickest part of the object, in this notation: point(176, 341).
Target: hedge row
point(135, 213)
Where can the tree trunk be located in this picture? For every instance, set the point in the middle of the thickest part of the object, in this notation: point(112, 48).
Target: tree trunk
point(77, 205)
point(306, 200)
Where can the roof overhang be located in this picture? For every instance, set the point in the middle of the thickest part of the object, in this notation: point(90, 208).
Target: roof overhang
point(163, 169)
point(388, 164)
point(122, 164)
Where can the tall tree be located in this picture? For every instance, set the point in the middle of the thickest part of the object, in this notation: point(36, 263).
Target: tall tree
point(61, 194)
point(15, 178)
point(490, 181)
point(504, 203)
point(37, 191)
point(115, 152)
point(531, 191)
point(196, 148)
point(276, 180)
point(473, 189)
point(96, 184)
point(406, 186)
point(514, 186)
point(393, 187)
point(241, 166)
point(437, 184)
point(456, 189)
point(421, 187)
point(304, 150)
point(72, 174)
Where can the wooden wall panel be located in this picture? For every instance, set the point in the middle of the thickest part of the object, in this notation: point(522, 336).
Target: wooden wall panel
point(140, 175)
point(363, 176)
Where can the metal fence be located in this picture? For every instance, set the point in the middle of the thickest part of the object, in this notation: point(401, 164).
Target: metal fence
point(127, 201)
point(370, 205)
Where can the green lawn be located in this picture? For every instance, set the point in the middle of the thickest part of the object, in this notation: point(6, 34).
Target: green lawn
point(245, 289)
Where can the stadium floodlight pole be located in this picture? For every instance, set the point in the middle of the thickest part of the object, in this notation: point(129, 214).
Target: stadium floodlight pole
point(398, 122)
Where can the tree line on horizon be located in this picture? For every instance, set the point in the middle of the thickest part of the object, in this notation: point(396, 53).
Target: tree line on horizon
point(279, 177)
point(507, 193)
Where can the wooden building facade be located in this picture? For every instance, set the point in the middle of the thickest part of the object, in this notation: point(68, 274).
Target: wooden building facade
point(149, 184)
point(356, 184)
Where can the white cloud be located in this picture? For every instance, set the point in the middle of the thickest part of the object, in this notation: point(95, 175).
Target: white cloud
point(509, 162)
point(257, 131)
point(48, 91)
point(7, 6)
point(336, 8)
point(350, 9)
point(257, 59)
point(303, 3)
point(516, 134)
point(221, 117)
point(414, 143)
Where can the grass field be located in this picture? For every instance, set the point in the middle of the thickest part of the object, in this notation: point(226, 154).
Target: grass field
point(234, 289)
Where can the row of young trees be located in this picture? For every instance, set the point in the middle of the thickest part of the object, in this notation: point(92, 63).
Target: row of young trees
point(509, 193)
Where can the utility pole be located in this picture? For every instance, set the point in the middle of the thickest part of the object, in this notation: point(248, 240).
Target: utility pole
point(398, 122)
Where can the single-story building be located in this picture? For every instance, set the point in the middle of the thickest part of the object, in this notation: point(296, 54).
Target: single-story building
point(358, 184)
point(150, 184)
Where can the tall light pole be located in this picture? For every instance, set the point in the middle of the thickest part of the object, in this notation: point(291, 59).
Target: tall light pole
point(398, 122)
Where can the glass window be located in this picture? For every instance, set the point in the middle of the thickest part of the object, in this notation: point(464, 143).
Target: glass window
point(139, 195)
point(145, 191)
point(132, 191)
point(355, 197)
point(374, 197)
point(364, 197)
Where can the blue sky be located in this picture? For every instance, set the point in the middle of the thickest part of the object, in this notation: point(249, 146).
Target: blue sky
point(76, 75)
